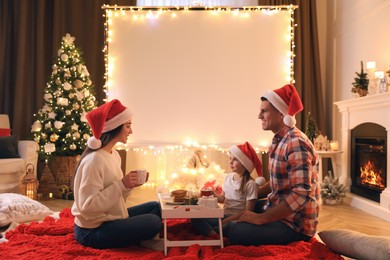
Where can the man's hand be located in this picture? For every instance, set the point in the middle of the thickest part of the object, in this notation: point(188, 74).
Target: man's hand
point(251, 217)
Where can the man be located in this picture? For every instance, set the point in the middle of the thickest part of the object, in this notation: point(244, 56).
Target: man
point(292, 208)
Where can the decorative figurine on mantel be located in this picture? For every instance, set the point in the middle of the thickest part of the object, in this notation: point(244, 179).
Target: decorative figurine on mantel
point(321, 143)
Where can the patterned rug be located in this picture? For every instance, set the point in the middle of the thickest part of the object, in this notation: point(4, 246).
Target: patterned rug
point(53, 239)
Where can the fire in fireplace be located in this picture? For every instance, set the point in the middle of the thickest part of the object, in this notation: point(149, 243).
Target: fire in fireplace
point(368, 160)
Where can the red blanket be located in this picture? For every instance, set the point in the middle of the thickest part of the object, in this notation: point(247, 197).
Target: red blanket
point(53, 239)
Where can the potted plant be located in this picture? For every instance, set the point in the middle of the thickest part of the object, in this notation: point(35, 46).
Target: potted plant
point(332, 192)
point(360, 85)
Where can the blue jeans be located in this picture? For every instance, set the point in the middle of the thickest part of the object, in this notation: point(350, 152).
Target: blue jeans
point(144, 222)
point(274, 233)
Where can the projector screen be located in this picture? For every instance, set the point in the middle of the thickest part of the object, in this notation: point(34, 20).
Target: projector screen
point(197, 75)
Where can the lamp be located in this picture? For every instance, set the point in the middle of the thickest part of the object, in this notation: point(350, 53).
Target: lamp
point(30, 183)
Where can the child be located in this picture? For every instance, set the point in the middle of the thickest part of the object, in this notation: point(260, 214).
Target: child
point(239, 191)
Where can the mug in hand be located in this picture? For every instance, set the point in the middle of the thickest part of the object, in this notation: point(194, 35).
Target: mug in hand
point(142, 173)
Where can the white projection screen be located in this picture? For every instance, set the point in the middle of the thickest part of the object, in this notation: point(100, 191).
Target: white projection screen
point(196, 75)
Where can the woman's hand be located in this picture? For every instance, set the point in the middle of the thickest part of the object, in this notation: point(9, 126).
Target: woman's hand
point(130, 180)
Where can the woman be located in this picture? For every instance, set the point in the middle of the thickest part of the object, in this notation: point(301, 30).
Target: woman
point(100, 188)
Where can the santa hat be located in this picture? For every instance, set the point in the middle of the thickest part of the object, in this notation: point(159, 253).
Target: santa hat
point(249, 159)
point(286, 99)
point(106, 118)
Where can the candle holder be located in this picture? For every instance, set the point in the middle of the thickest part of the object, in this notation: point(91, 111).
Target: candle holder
point(30, 183)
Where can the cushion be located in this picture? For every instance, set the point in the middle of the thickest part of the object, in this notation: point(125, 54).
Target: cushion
point(356, 245)
point(5, 132)
point(19, 208)
point(9, 147)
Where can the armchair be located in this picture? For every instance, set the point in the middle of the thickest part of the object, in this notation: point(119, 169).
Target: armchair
point(12, 168)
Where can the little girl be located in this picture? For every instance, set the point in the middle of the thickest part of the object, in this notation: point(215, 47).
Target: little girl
point(239, 191)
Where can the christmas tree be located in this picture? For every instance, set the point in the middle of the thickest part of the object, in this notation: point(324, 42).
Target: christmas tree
point(61, 128)
point(361, 81)
point(311, 129)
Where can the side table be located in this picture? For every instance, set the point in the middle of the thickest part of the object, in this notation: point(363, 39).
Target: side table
point(169, 211)
point(327, 154)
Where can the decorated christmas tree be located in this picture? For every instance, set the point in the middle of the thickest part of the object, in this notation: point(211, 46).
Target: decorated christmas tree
point(61, 128)
point(311, 128)
point(360, 85)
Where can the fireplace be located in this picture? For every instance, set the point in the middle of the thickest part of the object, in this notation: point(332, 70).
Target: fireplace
point(365, 158)
point(368, 160)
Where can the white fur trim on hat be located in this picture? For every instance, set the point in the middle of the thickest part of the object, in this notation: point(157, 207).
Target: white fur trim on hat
point(276, 101)
point(289, 121)
point(117, 120)
point(260, 181)
point(94, 143)
point(248, 164)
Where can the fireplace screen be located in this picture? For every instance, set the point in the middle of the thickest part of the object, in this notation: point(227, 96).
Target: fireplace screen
point(368, 167)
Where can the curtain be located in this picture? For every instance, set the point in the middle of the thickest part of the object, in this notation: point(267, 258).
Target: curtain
point(31, 32)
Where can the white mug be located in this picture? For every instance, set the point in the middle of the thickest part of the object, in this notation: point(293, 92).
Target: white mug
point(142, 173)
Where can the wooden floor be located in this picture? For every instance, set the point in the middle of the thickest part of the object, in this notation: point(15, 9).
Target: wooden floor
point(341, 216)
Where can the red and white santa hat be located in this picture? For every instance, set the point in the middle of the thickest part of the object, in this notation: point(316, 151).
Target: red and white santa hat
point(286, 99)
point(249, 159)
point(105, 118)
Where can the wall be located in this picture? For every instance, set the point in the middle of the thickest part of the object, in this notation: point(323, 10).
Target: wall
point(350, 31)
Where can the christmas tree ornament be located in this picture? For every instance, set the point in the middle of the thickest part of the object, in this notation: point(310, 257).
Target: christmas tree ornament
point(54, 137)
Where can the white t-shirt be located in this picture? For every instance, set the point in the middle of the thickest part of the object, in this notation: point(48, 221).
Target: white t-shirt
point(99, 194)
point(235, 200)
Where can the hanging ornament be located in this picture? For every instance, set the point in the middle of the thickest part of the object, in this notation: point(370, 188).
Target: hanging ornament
point(78, 83)
point(36, 127)
point(54, 137)
point(44, 136)
point(76, 106)
point(76, 135)
point(86, 136)
point(72, 146)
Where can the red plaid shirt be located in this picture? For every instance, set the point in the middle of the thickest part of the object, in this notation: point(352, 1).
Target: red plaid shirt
point(294, 179)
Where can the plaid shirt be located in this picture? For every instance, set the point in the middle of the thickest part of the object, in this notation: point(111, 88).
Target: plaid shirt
point(293, 179)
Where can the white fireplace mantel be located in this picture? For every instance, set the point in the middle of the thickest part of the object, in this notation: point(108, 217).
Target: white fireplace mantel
point(368, 109)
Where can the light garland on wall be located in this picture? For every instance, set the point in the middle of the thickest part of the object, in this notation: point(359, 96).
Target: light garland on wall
point(172, 166)
point(138, 13)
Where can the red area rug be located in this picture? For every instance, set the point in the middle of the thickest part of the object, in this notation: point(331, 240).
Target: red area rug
point(53, 239)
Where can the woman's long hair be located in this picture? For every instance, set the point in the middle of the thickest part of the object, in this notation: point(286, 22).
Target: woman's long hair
point(105, 138)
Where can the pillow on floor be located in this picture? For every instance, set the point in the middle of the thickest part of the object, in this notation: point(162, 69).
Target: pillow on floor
point(18, 208)
point(356, 245)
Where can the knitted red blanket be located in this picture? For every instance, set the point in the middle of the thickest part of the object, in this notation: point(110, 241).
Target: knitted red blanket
point(53, 239)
